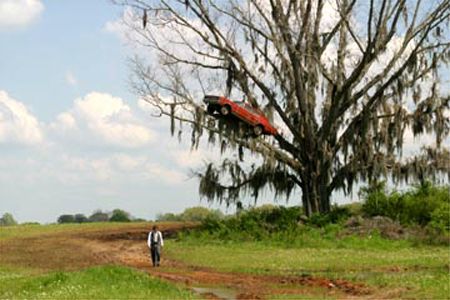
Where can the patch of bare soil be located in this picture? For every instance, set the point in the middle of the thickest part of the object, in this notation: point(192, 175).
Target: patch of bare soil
point(128, 247)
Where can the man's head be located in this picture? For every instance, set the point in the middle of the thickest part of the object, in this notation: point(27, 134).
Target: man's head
point(154, 228)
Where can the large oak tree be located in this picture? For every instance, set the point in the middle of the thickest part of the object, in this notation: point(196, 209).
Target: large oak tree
point(346, 80)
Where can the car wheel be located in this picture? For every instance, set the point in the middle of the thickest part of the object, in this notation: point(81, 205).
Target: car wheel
point(225, 110)
point(211, 122)
point(210, 109)
point(258, 130)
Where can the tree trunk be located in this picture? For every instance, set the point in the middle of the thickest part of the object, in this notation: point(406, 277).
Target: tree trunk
point(315, 195)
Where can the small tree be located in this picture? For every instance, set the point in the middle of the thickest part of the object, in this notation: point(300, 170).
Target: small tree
point(99, 216)
point(80, 218)
point(119, 215)
point(66, 219)
point(7, 220)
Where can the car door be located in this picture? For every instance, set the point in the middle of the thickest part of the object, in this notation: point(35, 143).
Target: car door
point(239, 111)
point(251, 114)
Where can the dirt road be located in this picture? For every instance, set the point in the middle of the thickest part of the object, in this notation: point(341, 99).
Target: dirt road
point(72, 251)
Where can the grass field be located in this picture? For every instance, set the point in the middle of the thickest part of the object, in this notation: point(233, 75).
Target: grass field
point(104, 261)
point(410, 272)
point(107, 282)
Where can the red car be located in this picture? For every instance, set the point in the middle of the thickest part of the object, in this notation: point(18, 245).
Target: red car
point(241, 110)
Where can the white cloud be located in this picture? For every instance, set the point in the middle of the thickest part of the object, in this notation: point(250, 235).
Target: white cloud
point(19, 13)
point(71, 79)
point(159, 172)
point(118, 26)
point(118, 167)
point(190, 158)
point(102, 118)
point(17, 124)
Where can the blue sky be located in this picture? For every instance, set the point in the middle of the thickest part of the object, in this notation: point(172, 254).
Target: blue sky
point(67, 37)
point(61, 74)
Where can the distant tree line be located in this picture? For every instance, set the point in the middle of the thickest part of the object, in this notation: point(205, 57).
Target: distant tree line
point(117, 215)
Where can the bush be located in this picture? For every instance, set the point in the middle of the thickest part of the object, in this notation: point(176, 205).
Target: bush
point(280, 226)
point(376, 202)
point(255, 224)
point(337, 215)
point(424, 204)
point(440, 217)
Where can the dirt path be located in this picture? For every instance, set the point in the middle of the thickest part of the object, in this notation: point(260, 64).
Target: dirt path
point(128, 247)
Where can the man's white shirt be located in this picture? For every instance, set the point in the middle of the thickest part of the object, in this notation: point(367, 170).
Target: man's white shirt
point(155, 235)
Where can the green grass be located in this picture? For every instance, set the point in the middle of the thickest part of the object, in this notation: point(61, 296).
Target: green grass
point(424, 271)
point(259, 258)
point(392, 269)
point(107, 282)
point(418, 284)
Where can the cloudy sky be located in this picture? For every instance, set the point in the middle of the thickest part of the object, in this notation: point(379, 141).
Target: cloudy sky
point(73, 138)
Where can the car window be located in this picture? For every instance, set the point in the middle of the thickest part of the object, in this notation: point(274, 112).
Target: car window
point(253, 110)
point(248, 107)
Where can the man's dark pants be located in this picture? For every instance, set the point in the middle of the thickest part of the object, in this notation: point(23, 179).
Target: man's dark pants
point(155, 252)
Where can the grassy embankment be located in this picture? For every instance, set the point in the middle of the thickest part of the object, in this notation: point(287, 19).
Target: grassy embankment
point(17, 281)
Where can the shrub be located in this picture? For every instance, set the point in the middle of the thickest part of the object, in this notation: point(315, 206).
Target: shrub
point(376, 201)
point(338, 214)
point(354, 208)
point(255, 224)
point(440, 217)
point(424, 204)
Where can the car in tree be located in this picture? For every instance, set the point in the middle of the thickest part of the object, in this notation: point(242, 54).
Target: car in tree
point(243, 111)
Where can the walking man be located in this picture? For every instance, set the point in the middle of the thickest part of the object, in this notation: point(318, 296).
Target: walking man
point(155, 242)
